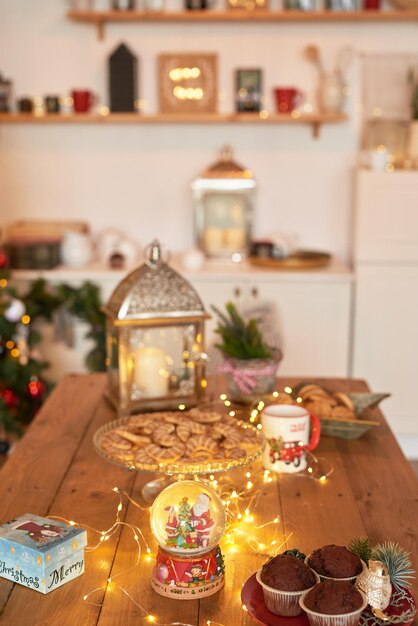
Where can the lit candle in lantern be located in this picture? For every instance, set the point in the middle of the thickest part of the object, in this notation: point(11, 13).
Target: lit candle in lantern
point(235, 238)
point(151, 374)
point(214, 239)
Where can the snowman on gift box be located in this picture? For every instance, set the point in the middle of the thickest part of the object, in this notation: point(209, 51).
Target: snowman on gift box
point(187, 521)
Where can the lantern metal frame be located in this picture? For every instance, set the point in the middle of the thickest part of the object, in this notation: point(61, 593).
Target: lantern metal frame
point(224, 177)
point(154, 296)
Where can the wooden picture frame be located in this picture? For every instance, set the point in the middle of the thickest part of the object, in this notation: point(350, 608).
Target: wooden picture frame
point(188, 83)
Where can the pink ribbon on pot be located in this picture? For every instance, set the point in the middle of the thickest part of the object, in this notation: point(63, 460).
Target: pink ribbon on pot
point(245, 379)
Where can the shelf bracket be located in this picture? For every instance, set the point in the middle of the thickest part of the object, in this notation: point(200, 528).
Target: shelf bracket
point(316, 129)
point(100, 30)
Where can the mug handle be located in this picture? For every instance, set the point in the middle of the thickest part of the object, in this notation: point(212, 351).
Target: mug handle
point(315, 434)
point(92, 100)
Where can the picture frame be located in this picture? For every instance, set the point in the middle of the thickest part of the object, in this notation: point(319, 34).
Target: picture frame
point(248, 90)
point(188, 82)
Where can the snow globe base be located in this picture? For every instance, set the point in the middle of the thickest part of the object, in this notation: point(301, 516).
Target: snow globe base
point(188, 578)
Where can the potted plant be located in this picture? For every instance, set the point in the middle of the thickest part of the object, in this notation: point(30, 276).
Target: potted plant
point(250, 364)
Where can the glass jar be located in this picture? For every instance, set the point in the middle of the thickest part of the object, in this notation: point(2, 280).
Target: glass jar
point(331, 93)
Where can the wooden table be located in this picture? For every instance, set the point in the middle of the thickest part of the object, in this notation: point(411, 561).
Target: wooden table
point(55, 471)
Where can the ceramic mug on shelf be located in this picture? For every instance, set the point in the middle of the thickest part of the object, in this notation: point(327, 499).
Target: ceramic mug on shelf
point(290, 431)
point(83, 100)
point(76, 250)
point(376, 160)
point(287, 99)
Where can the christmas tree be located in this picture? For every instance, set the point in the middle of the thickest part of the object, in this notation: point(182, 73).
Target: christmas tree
point(185, 523)
point(22, 387)
point(22, 384)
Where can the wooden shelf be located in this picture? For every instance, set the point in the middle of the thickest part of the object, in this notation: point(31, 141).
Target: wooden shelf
point(100, 18)
point(313, 119)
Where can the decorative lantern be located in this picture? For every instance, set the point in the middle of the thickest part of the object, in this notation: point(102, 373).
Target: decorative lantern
point(188, 521)
point(154, 334)
point(223, 199)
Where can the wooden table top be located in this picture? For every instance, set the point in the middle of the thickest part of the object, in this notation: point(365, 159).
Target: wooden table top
point(55, 471)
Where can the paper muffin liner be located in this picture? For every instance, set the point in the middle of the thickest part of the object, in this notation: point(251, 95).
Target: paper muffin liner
point(350, 579)
point(321, 619)
point(285, 603)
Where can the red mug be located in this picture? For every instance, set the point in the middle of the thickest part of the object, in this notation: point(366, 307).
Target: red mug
point(83, 100)
point(287, 99)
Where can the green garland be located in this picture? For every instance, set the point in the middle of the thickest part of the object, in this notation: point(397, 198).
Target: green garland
point(22, 387)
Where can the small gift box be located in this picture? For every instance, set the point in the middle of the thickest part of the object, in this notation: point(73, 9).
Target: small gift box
point(40, 553)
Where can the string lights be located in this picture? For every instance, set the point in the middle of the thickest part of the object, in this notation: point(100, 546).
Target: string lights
point(240, 493)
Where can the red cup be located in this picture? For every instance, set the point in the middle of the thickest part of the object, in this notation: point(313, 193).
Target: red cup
point(287, 99)
point(83, 100)
point(372, 5)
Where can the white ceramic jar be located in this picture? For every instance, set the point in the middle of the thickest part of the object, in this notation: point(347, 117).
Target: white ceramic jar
point(331, 93)
point(76, 250)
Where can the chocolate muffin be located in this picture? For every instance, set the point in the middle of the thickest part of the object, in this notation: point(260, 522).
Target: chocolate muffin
point(335, 562)
point(287, 573)
point(333, 597)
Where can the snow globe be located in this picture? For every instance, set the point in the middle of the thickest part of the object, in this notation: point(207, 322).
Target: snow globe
point(188, 521)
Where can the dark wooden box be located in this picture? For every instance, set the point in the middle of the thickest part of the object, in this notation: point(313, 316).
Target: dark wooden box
point(40, 255)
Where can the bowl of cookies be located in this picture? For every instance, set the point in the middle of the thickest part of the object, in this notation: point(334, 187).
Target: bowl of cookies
point(342, 414)
point(199, 441)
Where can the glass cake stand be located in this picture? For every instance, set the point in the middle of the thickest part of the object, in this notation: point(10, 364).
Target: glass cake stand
point(178, 470)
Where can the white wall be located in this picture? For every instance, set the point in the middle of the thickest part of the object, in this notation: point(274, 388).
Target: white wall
point(137, 177)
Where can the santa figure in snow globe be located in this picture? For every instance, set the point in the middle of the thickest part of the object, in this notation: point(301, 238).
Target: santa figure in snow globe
point(187, 521)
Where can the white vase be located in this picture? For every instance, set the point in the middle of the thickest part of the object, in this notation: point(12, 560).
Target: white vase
point(76, 250)
point(413, 142)
point(331, 93)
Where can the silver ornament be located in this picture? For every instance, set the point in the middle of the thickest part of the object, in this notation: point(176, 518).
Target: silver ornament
point(375, 583)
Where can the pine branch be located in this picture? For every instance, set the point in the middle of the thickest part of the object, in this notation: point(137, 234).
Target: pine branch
point(240, 340)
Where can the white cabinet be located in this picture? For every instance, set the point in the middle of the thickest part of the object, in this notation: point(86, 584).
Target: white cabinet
point(386, 346)
point(312, 312)
point(386, 224)
point(217, 292)
point(386, 298)
point(313, 316)
point(314, 325)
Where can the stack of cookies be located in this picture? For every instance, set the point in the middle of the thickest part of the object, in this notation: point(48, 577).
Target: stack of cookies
point(193, 437)
point(325, 404)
